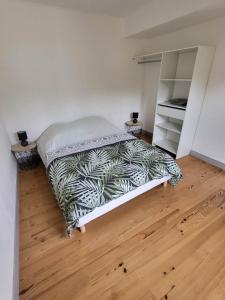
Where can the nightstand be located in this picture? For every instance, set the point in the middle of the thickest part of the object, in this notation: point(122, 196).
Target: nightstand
point(27, 157)
point(134, 128)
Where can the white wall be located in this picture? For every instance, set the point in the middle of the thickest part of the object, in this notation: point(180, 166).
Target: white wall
point(58, 65)
point(209, 139)
point(8, 196)
point(150, 89)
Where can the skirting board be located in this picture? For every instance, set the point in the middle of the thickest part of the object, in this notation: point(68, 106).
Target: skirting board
point(209, 160)
point(16, 245)
point(147, 133)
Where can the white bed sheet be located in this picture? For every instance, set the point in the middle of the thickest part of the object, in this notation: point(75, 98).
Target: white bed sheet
point(63, 134)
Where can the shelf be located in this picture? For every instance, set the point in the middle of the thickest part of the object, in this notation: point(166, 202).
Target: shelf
point(164, 104)
point(168, 145)
point(171, 112)
point(177, 79)
point(174, 127)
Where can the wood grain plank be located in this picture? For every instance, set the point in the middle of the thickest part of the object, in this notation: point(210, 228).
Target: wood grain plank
point(157, 246)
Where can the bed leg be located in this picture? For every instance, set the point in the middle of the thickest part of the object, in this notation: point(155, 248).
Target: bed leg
point(69, 233)
point(165, 184)
point(82, 229)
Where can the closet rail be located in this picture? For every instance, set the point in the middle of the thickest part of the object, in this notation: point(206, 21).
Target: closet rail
point(149, 61)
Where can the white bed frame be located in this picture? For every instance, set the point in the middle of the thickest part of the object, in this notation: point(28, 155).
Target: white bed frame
point(99, 211)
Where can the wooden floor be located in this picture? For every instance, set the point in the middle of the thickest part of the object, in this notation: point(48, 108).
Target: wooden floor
point(166, 244)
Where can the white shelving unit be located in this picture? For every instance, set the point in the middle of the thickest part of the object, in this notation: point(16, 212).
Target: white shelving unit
point(183, 74)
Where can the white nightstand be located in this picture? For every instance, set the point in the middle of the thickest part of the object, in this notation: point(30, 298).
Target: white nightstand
point(134, 128)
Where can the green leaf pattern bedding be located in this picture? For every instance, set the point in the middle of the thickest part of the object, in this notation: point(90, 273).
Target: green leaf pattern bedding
point(117, 165)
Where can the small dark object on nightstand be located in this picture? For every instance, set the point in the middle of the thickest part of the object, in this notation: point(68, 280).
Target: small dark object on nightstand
point(135, 117)
point(22, 136)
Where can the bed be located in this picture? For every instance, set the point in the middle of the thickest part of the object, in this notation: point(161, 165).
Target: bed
point(94, 167)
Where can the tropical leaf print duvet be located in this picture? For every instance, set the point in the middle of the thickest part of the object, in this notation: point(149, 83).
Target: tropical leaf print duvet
point(90, 178)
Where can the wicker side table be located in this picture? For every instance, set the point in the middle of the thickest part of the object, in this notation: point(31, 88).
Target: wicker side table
point(27, 157)
point(134, 128)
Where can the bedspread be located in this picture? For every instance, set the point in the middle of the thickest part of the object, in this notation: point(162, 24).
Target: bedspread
point(91, 177)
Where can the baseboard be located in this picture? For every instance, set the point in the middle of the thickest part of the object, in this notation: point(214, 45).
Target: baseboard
point(147, 133)
point(16, 244)
point(209, 160)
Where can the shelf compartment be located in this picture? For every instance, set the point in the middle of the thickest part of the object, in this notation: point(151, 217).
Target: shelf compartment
point(172, 89)
point(174, 127)
point(168, 145)
point(178, 64)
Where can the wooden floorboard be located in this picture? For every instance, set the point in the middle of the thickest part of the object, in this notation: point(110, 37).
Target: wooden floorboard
point(165, 244)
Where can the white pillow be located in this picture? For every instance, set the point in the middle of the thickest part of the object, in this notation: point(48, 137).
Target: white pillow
point(60, 135)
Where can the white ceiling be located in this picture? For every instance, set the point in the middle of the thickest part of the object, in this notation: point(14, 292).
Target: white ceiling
point(212, 11)
point(118, 8)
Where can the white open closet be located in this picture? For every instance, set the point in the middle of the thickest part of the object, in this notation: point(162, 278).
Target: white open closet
point(181, 88)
